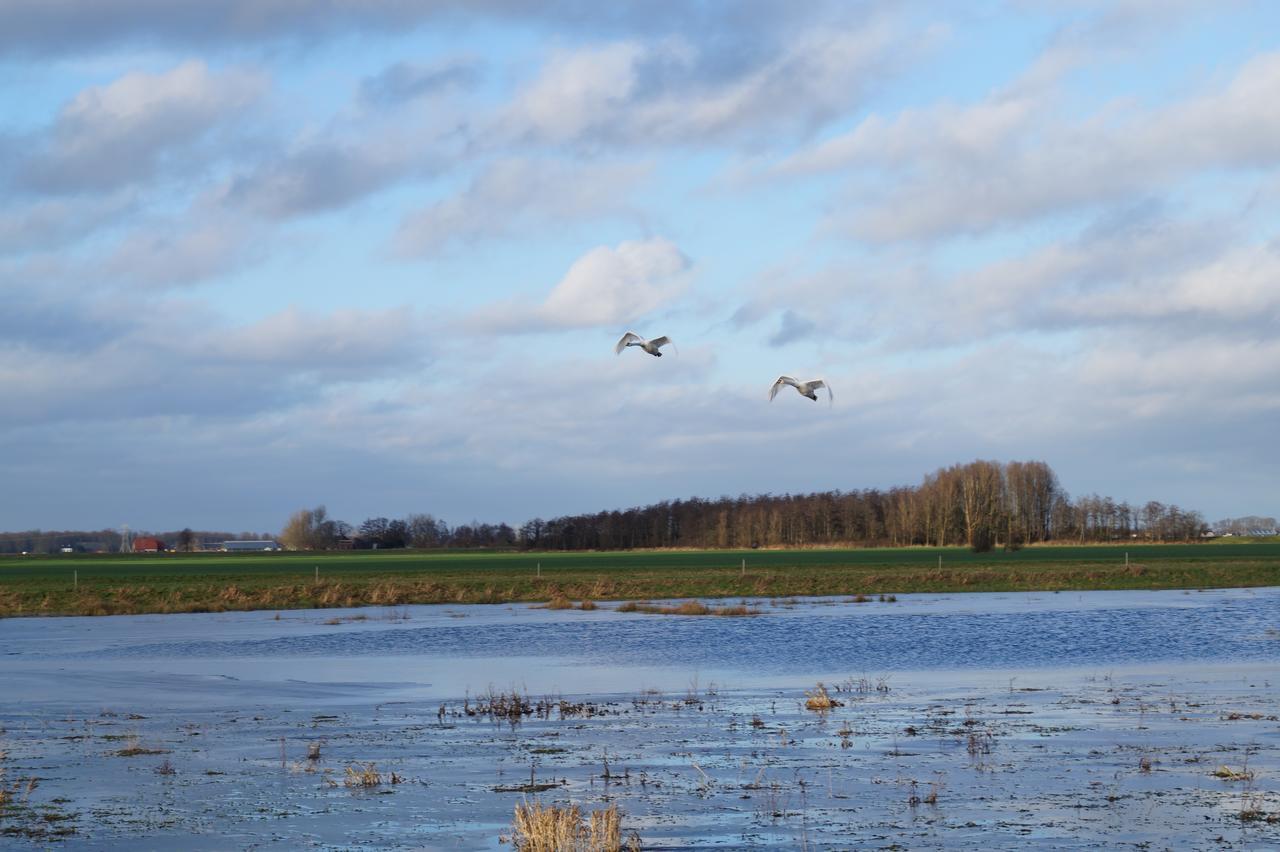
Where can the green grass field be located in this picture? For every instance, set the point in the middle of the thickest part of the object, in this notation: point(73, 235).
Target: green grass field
point(135, 583)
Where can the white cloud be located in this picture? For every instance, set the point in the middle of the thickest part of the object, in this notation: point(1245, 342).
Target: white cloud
point(182, 252)
point(520, 194)
point(345, 342)
point(605, 287)
point(126, 131)
point(323, 175)
point(947, 169)
point(52, 222)
point(172, 359)
point(675, 91)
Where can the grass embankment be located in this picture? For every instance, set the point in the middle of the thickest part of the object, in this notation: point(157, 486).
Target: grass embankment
point(164, 583)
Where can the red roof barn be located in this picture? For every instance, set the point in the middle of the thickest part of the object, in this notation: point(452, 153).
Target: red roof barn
point(147, 544)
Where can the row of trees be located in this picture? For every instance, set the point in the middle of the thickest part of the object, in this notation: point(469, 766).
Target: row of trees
point(313, 529)
point(982, 504)
point(427, 531)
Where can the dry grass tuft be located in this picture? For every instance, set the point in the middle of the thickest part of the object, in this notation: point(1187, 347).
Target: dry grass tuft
point(551, 828)
point(1226, 773)
point(559, 602)
point(365, 777)
point(692, 608)
point(819, 699)
point(688, 608)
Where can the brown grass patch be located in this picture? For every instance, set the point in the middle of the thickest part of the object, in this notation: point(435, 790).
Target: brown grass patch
point(551, 828)
point(367, 776)
point(688, 608)
point(819, 699)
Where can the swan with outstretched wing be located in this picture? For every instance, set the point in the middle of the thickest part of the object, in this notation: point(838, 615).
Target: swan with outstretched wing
point(650, 346)
point(808, 388)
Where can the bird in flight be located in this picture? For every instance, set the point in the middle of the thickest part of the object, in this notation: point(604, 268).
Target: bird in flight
point(808, 388)
point(650, 346)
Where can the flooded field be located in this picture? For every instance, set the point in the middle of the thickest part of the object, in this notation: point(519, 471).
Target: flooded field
point(1073, 720)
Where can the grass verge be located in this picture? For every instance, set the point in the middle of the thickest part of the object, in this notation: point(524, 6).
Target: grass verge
point(166, 583)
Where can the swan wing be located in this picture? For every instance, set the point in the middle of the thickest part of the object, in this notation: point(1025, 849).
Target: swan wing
point(624, 340)
point(660, 341)
point(819, 383)
point(782, 380)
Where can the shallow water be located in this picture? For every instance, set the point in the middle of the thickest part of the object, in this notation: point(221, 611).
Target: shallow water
point(1069, 691)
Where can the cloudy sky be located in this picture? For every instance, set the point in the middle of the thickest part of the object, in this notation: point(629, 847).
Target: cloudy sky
point(257, 255)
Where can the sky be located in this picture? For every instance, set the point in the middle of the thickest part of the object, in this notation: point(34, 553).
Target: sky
point(260, 255)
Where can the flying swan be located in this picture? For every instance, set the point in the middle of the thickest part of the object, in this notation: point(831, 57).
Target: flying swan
point(805, 388)
point(650, 346)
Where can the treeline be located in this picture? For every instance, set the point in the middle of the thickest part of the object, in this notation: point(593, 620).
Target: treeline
point(313, 529)
point(108, 540)
point(983, 504)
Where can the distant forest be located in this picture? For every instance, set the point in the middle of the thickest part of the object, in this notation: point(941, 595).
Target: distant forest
point(982, 505)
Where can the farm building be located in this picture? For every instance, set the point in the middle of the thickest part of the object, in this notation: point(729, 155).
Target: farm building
point(147, 544)
point(250, 545)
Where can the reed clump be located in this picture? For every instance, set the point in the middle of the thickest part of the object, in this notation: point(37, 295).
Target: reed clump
point(552, 828)
point(368, 776)
point(819, 699)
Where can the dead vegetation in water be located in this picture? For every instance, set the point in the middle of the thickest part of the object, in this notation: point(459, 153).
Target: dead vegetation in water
point(553, 828)
point(562, 602)
point(533, 785)
point(368, 777)
point(134, 748)
point(1226, 773)
point(820, 700)
point(689, 608)
point(864, 686)
point(513, 706)
point(929, 796)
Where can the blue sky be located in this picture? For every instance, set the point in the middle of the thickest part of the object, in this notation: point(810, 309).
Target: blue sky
point(258, 255)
